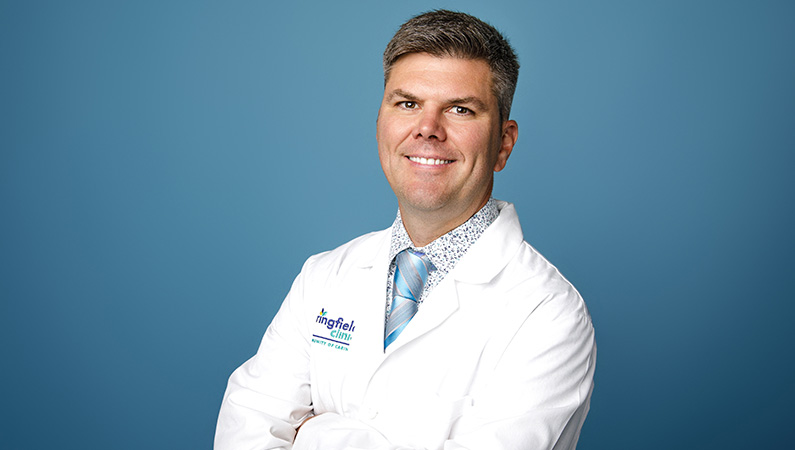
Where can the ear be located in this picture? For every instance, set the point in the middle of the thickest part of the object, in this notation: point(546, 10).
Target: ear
point(510, 133)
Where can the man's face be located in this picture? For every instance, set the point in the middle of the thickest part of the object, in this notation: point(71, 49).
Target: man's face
point(440, 138)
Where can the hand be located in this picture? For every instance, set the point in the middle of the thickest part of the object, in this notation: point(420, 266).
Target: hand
point(302, 424)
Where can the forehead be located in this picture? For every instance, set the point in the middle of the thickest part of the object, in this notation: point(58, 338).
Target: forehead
point(422, 74)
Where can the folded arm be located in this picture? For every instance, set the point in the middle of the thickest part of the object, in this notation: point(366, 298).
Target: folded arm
point(268, 397)
point(537, 396)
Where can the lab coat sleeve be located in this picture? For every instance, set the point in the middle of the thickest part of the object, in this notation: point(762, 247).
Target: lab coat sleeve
point(330, 431)
point(269, 395)
point(536, 398)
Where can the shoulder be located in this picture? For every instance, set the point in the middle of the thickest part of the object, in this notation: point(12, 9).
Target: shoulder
point(527, 270)
point(528, 281)
point(538, 292)
point(530, 266)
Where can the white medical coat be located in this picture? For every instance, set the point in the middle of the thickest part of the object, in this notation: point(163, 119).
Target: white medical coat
point(500, 355)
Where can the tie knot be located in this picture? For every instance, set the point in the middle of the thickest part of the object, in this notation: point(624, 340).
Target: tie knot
point(412, 272)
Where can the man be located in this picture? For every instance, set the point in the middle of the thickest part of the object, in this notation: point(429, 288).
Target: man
point(479, 342)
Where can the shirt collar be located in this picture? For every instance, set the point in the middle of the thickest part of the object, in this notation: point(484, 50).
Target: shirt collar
point(446, 250)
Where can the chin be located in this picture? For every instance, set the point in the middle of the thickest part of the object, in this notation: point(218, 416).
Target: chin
point(423, 203)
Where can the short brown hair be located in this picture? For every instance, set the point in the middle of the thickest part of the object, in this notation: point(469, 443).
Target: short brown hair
point(445, 33)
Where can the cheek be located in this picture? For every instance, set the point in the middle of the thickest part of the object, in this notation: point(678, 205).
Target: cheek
point(479, 143)
point(383, 157)
point(384, 132)
point(378, 132)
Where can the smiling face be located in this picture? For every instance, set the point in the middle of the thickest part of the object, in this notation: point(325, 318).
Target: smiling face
point(440, 138)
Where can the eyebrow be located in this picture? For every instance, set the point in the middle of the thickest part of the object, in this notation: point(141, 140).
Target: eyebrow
point(401, 93)
point(476, 102)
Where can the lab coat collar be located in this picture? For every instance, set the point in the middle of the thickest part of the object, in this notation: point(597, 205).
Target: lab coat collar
point(491, 253)
point(372, 250)
point(496, 246)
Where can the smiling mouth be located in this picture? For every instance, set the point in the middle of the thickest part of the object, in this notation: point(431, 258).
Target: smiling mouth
point(429, 162)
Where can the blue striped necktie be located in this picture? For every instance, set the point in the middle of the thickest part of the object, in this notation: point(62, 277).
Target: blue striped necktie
point(411, 272)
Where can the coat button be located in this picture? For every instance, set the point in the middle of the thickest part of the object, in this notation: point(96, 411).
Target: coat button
point(371, 413)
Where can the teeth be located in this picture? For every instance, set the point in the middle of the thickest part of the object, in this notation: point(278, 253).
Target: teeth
point(429, 162)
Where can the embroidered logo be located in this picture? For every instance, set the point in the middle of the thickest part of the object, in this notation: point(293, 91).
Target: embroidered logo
point(335, 333)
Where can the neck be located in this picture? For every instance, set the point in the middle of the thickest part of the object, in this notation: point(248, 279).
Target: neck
point(424, 227)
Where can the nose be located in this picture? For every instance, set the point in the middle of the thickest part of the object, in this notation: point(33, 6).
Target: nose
point(430, 125)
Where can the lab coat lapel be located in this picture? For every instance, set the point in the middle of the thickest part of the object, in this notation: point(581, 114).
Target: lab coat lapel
point(482, 262)
point(370, 292)
point(357, 293)
point(435, 309)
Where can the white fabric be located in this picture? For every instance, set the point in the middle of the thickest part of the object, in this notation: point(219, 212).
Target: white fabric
point(502, 352)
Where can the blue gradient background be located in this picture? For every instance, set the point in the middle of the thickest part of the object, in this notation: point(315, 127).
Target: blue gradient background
point(158, 158)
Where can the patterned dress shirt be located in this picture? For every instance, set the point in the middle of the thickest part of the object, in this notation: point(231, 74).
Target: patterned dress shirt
point(444, 252)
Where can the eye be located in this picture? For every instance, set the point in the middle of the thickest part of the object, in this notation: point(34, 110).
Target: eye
point(408, 104)
point(460, 110)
